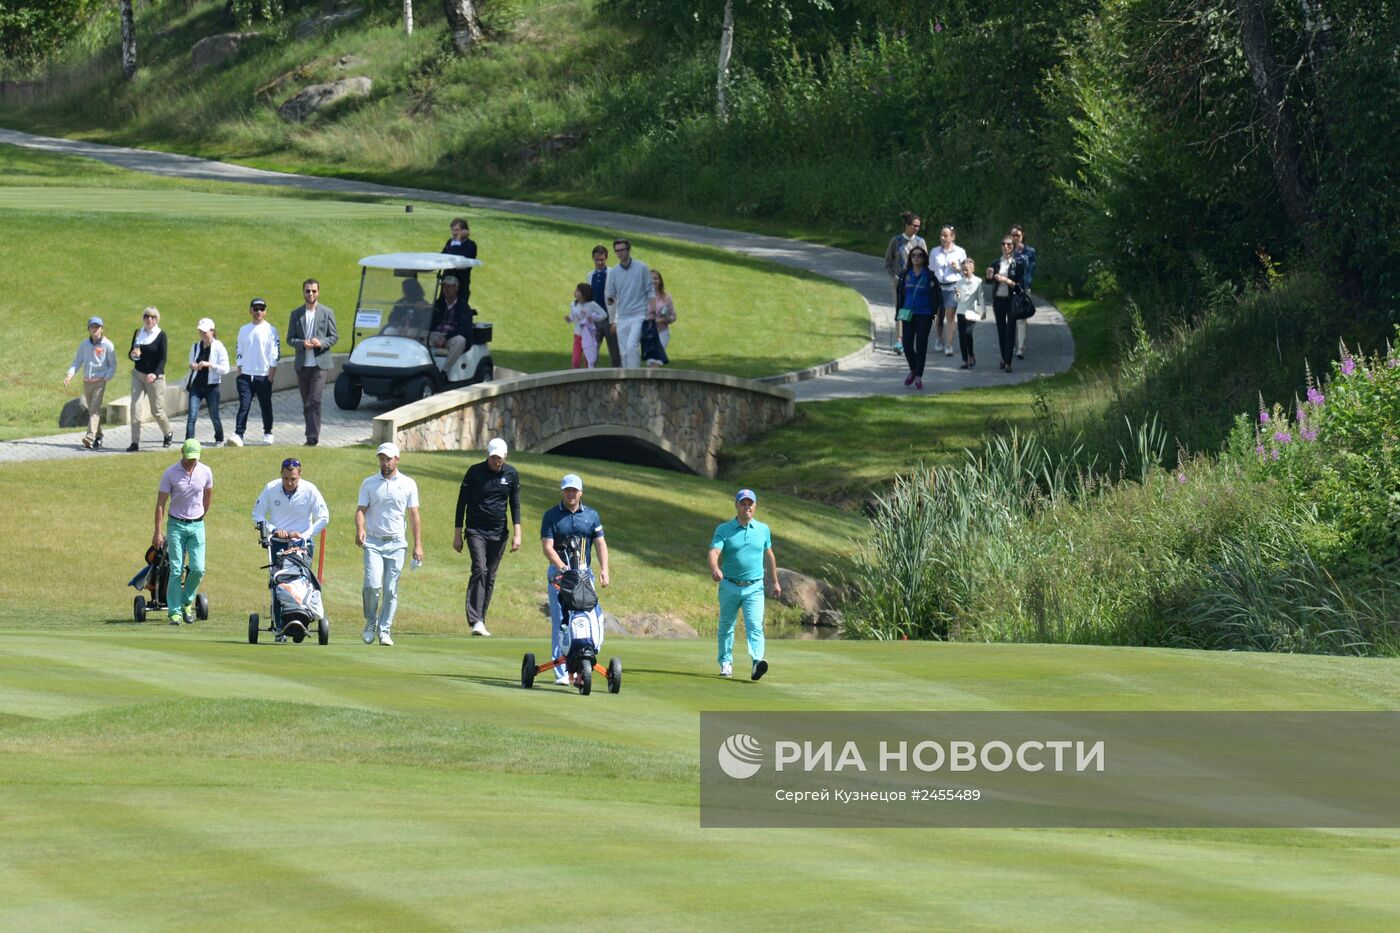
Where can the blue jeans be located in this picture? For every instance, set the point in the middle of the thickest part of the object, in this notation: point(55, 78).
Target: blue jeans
point(183, 537)
point(248, 386)
point(209, 395)
point(732, 598)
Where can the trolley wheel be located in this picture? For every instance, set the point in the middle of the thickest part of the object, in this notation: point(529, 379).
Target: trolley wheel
point(527, 671)
point(253, 629)
point(323, 632)
point(585, 686)
point(138, 608)
point(296, 630)
point(201, 607)
point(614, 675)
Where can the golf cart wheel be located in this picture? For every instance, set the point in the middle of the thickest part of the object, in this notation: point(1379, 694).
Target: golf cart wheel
point(296, 630)
point(527, 671)
point(138, 608)
point(485, 371)
point(201, 607)
point(323, 632)
point(614, 676)
point(253, 629)
point(585, 686)
point(347, 392)
point(417, 388)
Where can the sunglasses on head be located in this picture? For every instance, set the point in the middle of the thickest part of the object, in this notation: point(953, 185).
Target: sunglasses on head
point(291, 463)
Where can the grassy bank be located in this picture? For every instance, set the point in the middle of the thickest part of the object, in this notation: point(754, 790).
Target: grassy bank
point(658, 524)
point(196, 249)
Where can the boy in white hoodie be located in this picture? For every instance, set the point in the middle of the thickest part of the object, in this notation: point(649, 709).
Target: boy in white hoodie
point(97, 360)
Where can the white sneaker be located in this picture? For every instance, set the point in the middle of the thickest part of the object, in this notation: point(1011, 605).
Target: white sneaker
point(367, 636)
point(267, 439)
point(948, 351)
point(938, 346)
point(479, 628)
point(726, 669)
point(235, 440)
point(385, 640)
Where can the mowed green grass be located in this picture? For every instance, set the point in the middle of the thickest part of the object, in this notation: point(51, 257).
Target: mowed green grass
point(89, 521)
point(76, 249)
point(163, 778)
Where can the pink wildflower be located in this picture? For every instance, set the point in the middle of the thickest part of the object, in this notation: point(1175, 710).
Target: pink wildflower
point(1315, 397)
point(1348, 366)
point(1263, 417)
point(1274, 453)
point(1283, 437)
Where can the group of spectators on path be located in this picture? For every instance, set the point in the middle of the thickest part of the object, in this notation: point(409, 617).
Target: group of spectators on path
point(290, 512)
point(626, 307)
point(311, 332)
point(940, 293)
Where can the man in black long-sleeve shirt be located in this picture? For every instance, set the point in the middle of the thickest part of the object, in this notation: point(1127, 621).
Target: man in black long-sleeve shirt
point(486, 489)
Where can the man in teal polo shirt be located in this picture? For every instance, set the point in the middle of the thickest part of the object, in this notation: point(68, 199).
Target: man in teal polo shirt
point(738, 552)
point(187, 488)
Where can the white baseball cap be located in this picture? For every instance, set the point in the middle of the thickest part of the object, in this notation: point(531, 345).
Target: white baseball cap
point(571, 481)
point(390, 450)
point(496, 447)
point(205, 325)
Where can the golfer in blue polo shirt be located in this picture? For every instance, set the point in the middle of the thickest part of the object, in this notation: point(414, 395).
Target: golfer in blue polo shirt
point(569, 519)
point(738, 552)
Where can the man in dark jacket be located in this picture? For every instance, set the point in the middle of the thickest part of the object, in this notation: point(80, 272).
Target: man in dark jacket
point(462, 244)
point(452, 322)
point(486, 490)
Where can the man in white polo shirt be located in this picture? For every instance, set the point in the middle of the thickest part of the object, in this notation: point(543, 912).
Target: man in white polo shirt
point(385, 499)
point(256, 356)
point(630, 294)
point(290, 512)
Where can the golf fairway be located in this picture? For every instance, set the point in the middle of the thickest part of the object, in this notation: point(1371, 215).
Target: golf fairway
point(162, 778)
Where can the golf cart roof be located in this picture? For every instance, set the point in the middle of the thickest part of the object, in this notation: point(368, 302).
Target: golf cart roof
point(419, 262)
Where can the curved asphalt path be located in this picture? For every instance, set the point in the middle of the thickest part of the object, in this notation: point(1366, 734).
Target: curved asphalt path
point(871, 371)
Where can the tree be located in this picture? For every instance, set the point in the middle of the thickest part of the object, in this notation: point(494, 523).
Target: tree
point(128, 41)
point(464, 23)
point(1280, 126)
point(726, 48)
point(408, 16)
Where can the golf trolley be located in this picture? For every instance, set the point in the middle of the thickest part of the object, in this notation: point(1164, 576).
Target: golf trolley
point(152, 580)
point(295, 594)
point(582, 625)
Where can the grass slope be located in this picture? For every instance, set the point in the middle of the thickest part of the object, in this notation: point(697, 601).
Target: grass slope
point(658, 524)
point(196, 250)
point(175, 778)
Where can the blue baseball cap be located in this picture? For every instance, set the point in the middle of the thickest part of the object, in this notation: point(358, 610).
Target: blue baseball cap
point(94, 321)
point(571, 481)
point(746, 494)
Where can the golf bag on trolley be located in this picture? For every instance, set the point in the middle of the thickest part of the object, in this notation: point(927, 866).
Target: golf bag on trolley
point(296, 593)
point(581, 622)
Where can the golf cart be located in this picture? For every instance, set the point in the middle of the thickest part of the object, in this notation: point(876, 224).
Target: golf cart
point(390, 353)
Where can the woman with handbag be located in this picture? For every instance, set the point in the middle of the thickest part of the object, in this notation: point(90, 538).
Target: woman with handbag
point(972, 307)
point(208, 365)
point(917, 314)
point(1007, 274)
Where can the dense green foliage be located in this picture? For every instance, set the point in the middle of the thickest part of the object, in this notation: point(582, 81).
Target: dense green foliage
point(31, 29)
point(1290, 541)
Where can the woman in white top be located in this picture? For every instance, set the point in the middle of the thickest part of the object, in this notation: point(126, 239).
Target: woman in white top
point(972, 307)
point(587, 316)
point(947, 263)
point(208, 365)
point(1007, 274)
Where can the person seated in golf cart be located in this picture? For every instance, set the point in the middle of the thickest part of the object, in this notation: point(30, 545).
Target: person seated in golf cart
point(410, 313)
point(452, 323)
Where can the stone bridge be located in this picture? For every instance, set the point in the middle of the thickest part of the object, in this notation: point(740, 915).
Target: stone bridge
point(678, 417)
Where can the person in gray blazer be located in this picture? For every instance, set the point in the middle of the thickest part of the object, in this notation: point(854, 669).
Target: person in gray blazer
point(312, 333)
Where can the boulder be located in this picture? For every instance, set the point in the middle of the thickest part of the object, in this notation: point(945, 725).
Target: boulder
point(651, 625)
point(319, 97)
point(348, 62)
point(611, 626)
point(215, 50)
point(804, 592)
point(74, 414)
point(328, 22)
point(823, 618)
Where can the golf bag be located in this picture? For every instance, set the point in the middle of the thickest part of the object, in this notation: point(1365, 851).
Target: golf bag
point(582, 622)
point(296, 592)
